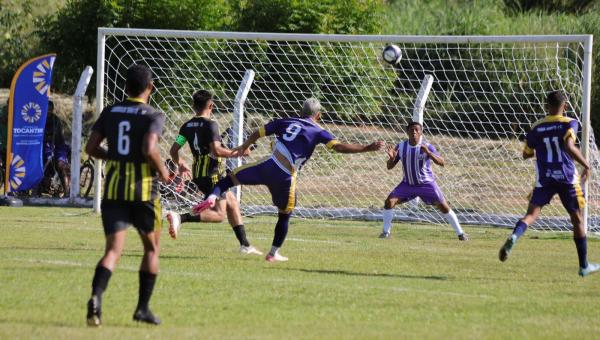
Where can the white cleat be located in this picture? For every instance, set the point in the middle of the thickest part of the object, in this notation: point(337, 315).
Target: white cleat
point(174, 223)
point(590, 269)
point(249, 250)
point(275, 258)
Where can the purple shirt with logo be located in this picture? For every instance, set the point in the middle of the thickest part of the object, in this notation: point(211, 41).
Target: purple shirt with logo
point(415, 163)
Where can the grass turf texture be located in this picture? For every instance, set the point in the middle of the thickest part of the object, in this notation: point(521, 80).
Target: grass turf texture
point(341, 281)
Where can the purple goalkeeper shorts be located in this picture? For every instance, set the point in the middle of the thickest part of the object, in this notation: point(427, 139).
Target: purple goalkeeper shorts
point(282, 185)
point(429, 193)
point(570, 195)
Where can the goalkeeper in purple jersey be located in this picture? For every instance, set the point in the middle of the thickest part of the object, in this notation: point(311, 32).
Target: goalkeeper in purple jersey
point(296, 139)
point(552, 142)
point(416, 156)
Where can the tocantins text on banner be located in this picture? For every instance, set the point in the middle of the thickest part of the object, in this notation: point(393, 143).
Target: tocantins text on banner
point(28, 106)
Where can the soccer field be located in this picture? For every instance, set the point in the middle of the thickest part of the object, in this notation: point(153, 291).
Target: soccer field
point(341, 282)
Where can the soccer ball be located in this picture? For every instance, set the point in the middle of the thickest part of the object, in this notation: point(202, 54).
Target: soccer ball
point(392, 54)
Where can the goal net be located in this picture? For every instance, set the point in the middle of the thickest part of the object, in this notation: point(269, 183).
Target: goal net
point(486, 93)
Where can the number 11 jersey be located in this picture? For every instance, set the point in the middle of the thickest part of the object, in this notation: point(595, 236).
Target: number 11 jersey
point(548, 138)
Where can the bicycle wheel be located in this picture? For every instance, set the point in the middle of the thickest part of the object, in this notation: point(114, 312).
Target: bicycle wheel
point(86, 179)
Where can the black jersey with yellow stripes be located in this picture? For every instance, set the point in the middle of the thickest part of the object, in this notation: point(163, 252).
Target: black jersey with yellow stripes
point(128, 175)
point(200, 132)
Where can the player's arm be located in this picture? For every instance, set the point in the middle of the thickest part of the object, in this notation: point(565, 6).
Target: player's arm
point(150, 147)
point(435, 157)
point(574, 151)
point(357, 148)
point(392, 152)
point(94, 147)
point(182, 168)
point(217, 148)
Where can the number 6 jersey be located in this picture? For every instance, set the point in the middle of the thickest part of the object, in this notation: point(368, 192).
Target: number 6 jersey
point(129, 176)
point(297, 138)
point(547, 138)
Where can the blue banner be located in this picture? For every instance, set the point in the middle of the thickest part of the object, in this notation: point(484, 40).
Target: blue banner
point(27, 111)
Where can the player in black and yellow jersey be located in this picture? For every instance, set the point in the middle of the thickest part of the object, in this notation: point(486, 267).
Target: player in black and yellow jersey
point(202, 134)
point(132, 129)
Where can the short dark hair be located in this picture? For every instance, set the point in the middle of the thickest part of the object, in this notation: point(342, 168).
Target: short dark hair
point(414, 124)
point(137, 80)
point(556, 98)
point(200, 99)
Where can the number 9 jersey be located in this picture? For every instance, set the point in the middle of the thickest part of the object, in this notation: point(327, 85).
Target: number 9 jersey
point(548, 138)
point(297, 138)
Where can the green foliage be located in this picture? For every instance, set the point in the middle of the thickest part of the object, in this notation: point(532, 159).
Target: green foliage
point(550, 6)
point(16, 42)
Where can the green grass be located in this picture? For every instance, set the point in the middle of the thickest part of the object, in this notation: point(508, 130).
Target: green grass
point(341, 282)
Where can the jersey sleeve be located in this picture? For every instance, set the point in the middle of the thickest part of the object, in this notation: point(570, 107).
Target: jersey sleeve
point(214, 132)
point(571, 132)
point(433, 149)
point(99, 124)
point(328, 139)
point(272, 127)
point(157, 122)
point(529, 145)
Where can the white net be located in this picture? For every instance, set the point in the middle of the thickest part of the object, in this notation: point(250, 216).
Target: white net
point(483, 99)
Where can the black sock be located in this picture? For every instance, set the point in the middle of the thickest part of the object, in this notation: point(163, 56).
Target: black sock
point(147, 281)
point(581, 244)
point(281, 229)
point(240, 234)
point(189, 218)
point(100, 281)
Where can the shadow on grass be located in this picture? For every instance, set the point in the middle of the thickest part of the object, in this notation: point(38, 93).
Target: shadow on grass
point(350, 273)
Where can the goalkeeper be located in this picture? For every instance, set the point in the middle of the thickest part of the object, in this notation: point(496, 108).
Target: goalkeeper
point(202, 134)
point(416, 156)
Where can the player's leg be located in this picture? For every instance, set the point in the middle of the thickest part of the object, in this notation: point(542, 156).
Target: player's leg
point(538, 200)
point(573, 200)
point(234, 216)
point(402, 193)
point(452, 219)
point(283, 194)
point(115, 220)
point(148, 222)
point(64, 168)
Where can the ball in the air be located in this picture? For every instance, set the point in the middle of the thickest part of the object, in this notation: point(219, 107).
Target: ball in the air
point(392, 54)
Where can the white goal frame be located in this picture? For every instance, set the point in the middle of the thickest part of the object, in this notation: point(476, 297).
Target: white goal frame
point(585, 40)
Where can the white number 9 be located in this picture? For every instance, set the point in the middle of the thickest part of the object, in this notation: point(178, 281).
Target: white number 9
point(292, 132)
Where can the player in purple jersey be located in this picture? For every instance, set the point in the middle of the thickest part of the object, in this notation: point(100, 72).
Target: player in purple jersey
point(416, 156)
point(296, 139)
point(552, 142)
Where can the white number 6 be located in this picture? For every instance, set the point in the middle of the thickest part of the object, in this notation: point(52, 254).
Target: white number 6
point(123, 143)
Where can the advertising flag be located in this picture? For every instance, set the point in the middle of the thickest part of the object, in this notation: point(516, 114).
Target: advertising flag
point(28, 106)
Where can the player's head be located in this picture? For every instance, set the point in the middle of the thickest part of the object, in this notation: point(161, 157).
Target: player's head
point(138, 81)
point(556, 102)
point(202, 101)
point(311, 109)
point(414, 130)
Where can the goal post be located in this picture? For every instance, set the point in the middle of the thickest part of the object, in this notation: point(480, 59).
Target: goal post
point(484, 93)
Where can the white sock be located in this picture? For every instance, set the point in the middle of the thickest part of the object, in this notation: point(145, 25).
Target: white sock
point(388, 215)
point(274, 250)
point(451, 218)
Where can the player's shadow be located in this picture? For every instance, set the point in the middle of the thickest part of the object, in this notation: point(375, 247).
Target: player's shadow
point(350, 273)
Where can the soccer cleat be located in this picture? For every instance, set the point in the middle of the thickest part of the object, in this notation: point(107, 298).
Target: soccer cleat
point(174, 223)
point(275, 258)
point(249, 250)
point(590, 269)
point(384, 234)
point(206, 204)
point(506, 248)
point(463, 237)
point(146, 316)
point(94, 312)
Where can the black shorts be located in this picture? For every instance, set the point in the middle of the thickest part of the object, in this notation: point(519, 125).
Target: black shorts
point(118, 215)
point(207, 184)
